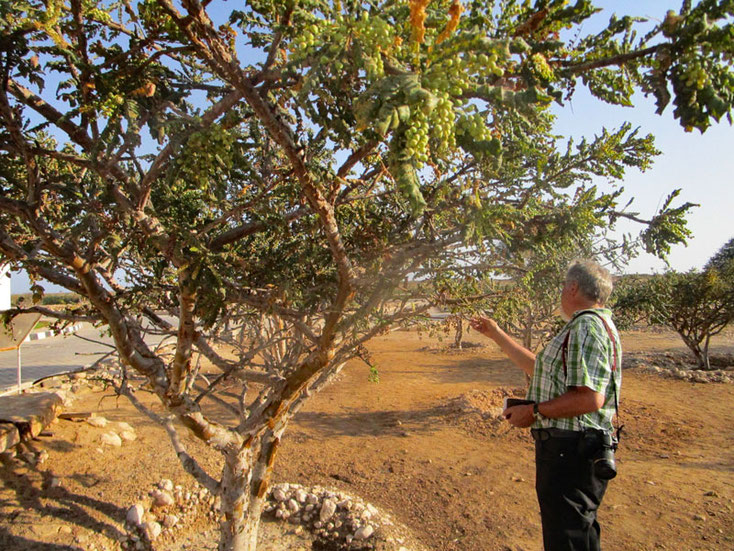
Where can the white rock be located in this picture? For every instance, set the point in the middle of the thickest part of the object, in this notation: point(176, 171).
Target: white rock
point(170, 521)
point(293, 506)
point(55, 482)
point(279, 495)
point(364, 532)
point(122, 425)
point(29, 457)
point(312, 499)
point(152, 530)
point(42, 457)
point(111, 439)
point(166, 485)
point(301, 495)
point(128, 435)
point(135, 514)
point(162, 498)
point(327, 510)
point(98, 422)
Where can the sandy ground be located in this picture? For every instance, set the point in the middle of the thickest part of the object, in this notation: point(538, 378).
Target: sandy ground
point(421, 444)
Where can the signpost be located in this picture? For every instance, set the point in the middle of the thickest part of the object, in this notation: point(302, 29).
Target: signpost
point(14, 333)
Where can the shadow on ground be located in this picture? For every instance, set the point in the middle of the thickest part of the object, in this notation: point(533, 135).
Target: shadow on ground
point(25, 487)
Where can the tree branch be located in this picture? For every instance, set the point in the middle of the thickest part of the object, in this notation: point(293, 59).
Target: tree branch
point(619, 59)
point(189, 464)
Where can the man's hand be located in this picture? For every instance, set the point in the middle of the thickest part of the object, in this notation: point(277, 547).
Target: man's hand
point(520, 416)
point(486, 326)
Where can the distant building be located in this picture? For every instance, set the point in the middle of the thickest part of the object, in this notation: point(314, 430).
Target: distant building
point(4, 288)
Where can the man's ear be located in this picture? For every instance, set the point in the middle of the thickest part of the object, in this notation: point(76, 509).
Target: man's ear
point(574, 288)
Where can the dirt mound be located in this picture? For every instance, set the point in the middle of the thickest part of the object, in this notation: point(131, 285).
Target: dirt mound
point(480, 411)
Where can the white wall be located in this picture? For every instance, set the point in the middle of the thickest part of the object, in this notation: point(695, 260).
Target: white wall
point(4, 288)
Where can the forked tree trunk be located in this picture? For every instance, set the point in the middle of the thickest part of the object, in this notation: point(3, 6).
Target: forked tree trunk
point(245, 481)
point(702, 356)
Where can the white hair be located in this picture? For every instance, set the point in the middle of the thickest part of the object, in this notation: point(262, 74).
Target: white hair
point(594, 281)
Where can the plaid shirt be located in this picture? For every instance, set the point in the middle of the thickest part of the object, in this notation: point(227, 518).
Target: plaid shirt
point(589, 363)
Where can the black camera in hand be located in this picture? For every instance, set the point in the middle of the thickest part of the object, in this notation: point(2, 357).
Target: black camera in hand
point(599, 446)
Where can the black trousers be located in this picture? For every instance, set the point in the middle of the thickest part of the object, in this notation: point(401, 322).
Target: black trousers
point(569, 495)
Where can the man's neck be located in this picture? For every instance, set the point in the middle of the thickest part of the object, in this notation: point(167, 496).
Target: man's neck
point(587, 306)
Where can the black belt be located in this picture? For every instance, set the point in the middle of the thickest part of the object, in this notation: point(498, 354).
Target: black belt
point(545, 434)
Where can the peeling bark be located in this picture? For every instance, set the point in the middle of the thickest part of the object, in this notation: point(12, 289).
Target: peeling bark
point(245, 481)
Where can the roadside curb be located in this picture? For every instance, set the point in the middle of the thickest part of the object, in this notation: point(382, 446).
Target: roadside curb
point(46, 334)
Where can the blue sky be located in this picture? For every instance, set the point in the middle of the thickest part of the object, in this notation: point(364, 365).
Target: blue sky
point(702, 166)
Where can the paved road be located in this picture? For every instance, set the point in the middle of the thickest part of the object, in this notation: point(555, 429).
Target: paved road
point(52, 355)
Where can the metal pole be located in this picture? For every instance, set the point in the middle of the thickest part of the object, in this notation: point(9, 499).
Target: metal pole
point(18, 369)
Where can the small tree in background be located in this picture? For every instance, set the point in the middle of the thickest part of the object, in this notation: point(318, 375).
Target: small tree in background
point(722, 260)
point(698, 305)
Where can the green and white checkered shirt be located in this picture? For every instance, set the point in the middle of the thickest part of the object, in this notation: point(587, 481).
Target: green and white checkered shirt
point(589, 363)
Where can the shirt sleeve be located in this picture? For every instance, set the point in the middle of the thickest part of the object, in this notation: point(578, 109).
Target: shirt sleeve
point(588, 357)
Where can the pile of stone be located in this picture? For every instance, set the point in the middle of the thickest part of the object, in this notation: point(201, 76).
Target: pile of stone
point(681, 365)
point(697, 376)
point(344, 520)
point(164, 509)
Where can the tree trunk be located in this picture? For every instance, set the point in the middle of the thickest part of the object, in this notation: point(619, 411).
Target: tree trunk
point(237, 532)
point(245, 480)
point(459, 336)
point(705, 353)
point(695, 347)
point(527, 338)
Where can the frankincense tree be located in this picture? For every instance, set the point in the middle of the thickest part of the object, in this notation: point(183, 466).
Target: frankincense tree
point(285, 167)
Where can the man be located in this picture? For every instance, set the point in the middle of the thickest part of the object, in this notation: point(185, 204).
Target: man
point(574, 389)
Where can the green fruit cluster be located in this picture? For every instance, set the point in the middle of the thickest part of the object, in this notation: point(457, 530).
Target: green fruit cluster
point(456, 73)
point(374, 32)
point(539, 67)
point(310, 36)
point(111, 104)
point(476, 126)
point(416, 138)
point(695, 76)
